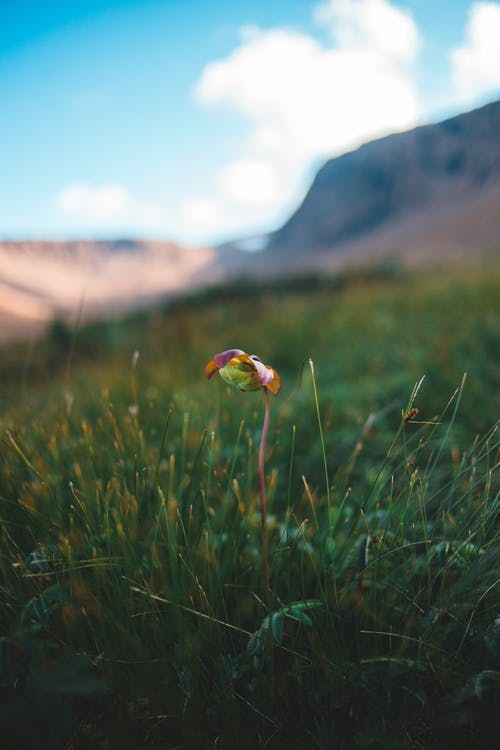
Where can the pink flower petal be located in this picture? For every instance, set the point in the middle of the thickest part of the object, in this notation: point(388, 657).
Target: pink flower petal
point(265, 374)
point(223, 358)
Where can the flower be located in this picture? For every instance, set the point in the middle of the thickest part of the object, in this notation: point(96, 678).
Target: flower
point(244, 371)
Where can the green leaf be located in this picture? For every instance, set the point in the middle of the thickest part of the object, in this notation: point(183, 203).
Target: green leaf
point(492, 638)
point(296, 614)
point(305, 604)
point(277, 626)
point(487, 683)
point(254, 644)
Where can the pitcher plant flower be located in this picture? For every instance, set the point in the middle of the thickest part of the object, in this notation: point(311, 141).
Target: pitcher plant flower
point(247, 372)
point(244, 371)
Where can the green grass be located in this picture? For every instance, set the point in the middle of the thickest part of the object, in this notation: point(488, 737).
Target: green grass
point(130, 572)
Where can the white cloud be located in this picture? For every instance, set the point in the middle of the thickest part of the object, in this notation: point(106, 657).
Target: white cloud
point(304, 100)
point(105, 202)
point(106, 206)
point(371, 24)
point(248, 181)
point(476, 64)
point(200, 215)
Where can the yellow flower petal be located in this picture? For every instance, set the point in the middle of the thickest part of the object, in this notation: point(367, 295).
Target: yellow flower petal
point(275, 383)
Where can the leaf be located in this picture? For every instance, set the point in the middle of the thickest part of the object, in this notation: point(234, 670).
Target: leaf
point(306, 604)
point(296, 614)
point(487, 683)
point(254, 643)
point(492, 638)
point(40, 607)
point(417, 693)
point(277, 626)
point(37, 561)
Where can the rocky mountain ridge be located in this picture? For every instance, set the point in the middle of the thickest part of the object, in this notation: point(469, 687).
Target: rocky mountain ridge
point(435, 188)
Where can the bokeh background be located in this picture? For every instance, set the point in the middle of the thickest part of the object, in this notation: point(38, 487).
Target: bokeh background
point(314, 182)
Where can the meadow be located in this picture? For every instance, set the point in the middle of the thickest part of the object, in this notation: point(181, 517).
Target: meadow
point(133, 605)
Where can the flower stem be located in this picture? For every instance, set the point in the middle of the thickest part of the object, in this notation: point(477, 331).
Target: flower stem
point(263, 504)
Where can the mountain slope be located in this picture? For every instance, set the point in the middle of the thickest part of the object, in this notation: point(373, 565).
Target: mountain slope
point(40, 280)
point(437, 186)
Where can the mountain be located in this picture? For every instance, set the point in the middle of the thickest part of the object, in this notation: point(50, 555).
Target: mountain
point(432, 191)
point(42, 280)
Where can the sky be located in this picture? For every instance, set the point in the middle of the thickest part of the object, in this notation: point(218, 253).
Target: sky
point(204, 121)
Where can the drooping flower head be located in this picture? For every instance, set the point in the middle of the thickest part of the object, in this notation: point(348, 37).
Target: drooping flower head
point(244, 371)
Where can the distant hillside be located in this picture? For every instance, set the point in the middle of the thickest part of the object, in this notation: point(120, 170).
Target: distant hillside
point(41, 280)
point(434, 189)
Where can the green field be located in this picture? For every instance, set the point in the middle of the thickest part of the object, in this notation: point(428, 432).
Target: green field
point(133, 605)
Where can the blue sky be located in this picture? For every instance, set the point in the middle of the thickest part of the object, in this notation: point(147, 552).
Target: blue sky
point(202, 121)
